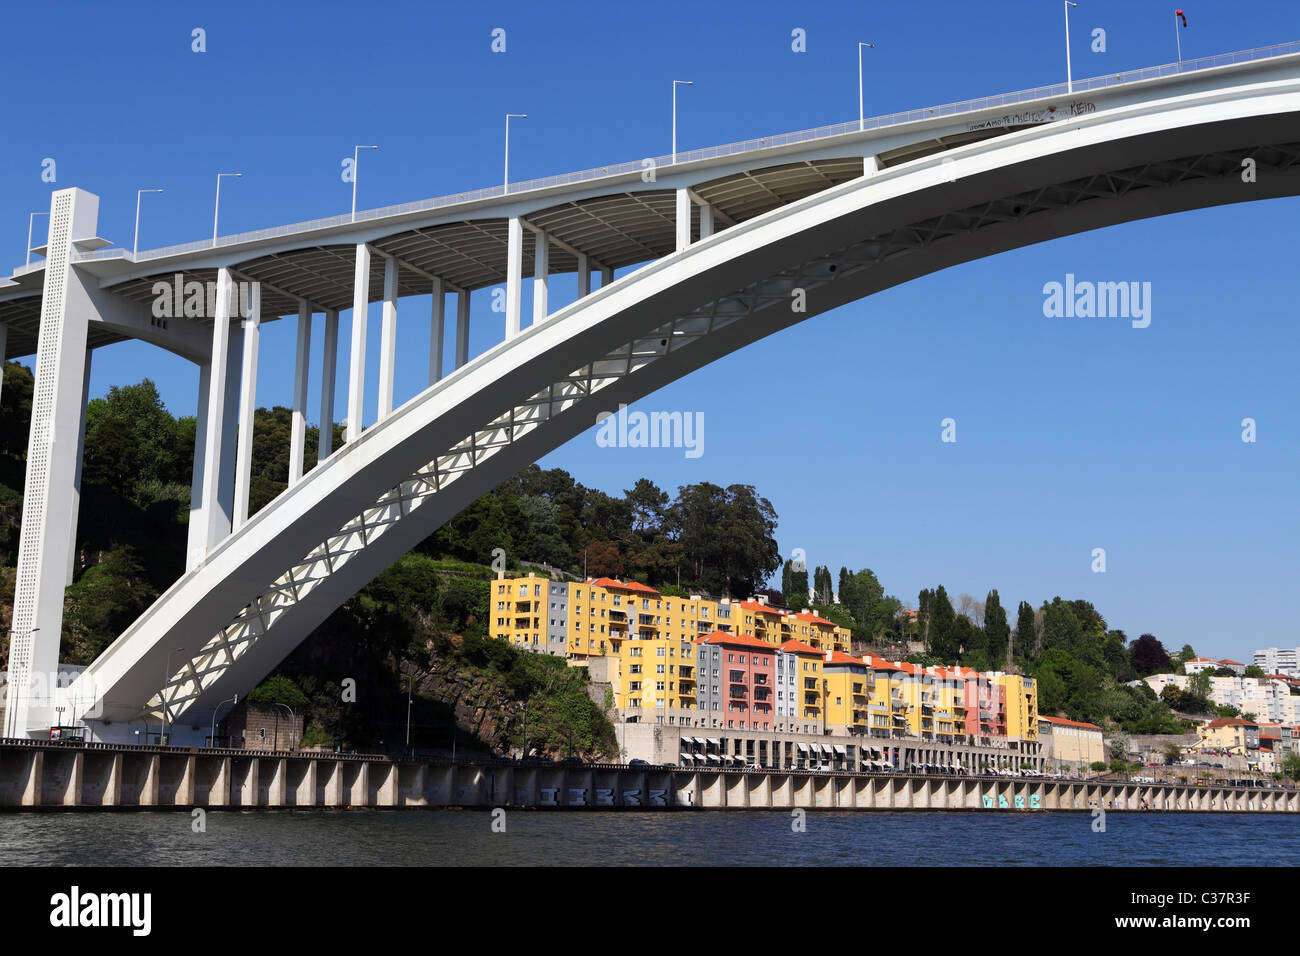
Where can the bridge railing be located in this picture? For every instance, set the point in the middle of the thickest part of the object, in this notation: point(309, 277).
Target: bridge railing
point(713, 152)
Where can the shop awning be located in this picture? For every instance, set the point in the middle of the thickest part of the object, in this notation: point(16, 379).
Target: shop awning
point(839, 749)
point(803, 747)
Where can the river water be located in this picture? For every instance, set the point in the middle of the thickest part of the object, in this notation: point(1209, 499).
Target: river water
point(700, 837)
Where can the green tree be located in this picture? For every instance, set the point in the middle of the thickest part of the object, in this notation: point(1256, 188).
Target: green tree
point(727, 536)
point(996, 629)
point(1026, 640)
point(943, 638)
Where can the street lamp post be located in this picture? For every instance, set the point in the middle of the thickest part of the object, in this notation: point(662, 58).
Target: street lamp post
point(162, 696)
point(675, 84)
point(212, 736)
point(862, 122)
point(217, 206)
point(26, 676)
point(356, 158)
point(30, 220)
point(1069, 75)
point(409, 687)
point(505, 185)
point(292, 720)
point(135, 246)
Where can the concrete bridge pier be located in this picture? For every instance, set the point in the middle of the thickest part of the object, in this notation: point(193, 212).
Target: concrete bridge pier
point(329, 784)
point(577, 789)
point(300, 787)
point(736, 788)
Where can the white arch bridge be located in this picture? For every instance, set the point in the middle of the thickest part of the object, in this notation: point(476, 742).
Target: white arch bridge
point(723, 237)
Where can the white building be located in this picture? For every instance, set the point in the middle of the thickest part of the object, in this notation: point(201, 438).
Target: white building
point(1279, 660)
point(1267, 698)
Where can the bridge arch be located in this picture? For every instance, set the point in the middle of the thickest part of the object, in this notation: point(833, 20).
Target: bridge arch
point(264, 588)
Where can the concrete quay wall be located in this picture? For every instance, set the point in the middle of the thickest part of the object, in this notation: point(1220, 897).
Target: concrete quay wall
point(35, 775)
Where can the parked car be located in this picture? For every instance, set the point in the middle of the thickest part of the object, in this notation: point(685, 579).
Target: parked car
point(638, 762)
point(573, 761)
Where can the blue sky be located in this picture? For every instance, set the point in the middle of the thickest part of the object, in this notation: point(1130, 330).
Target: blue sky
point(1071, 435)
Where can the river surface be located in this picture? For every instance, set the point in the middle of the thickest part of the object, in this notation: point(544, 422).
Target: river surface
point(730, 837)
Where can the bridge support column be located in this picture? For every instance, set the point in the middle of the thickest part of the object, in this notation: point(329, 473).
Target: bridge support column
point(388, 340)
point(462, 327)
point(53, 466)
point(683, 219)
point(301, 368)
point(706, 220)
point(435, 332)
point(212, 498)
point(514, 275)
point(541, 275)
point(247, 405)
point(584, 281)
point(357, 359)
point(328, 367)
point(870, 166)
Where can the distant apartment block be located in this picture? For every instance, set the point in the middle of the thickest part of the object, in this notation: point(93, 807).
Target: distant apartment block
point(1279, 660)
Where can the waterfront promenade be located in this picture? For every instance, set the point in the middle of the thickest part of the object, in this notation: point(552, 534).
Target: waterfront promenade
point(70, 776)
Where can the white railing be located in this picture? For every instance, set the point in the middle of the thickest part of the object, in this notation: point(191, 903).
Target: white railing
point(712, 152)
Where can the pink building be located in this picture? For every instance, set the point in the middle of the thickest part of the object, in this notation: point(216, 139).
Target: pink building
point(744, 691)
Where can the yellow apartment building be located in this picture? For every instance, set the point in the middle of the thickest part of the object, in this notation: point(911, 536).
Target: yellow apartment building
point(847, 693)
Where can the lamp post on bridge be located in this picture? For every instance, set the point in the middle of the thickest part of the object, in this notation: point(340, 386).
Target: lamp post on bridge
point(216, 209)
point(862, 122)
point(135, 246)
point(356, 158)
point(505, 185)
point(31, 219)
point(675, 84)
point(1069, 75)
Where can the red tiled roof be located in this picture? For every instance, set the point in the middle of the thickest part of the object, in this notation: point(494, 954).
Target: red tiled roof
point(799, 647)
point(839, 657)
point(1068, 723)
point(1228, 722)
point(761, 608)
point(622, 585)
point(813, 618)
point(1226, 661)
point(735, 640)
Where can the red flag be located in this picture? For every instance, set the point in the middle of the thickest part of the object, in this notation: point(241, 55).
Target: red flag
point(1179, 14)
